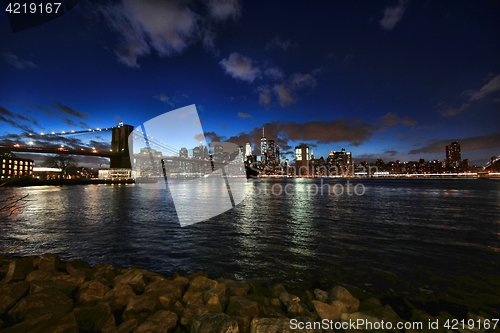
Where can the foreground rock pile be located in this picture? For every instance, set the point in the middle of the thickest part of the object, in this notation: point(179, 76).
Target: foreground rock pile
point(44, 295)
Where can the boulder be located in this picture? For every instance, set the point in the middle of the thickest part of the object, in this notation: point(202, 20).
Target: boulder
point(220, 290)
point(341, 294)
point(49, 262)
point(46, 324)
point(95, 319)
point(178, 309)
point(256, 288)
point(276, 290)
point(331, 311)
point(91, 293)
point(107, 273)
point(281, 325)
point(184, 281)
point(362, 317)
point(236, 288)
point(66, 287)
point(168, 288)
point(294, 306)
point(242, 306)
point(214, 322)
point(197, 288)
point(19, 269)
point(127, 326)
point(119, 296)
point(191, 312)
point(368, 304)
point(134, 277)
point(321, 295)
point(139, 307)
point(11, 293)
point(39, 304)
point(214, 304)
point(160, 322)
point(39, 275)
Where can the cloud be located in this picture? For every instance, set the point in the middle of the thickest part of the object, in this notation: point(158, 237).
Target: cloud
point(35, 106)
point(490, 87)
point(284, 95)
point(471, 143)
point(274, 73)
point(68, 122)
point(167, 27)
point(392, 119)
point(173, 101)
point(390, 152)
point(240, 67)
point(392, 15)
point(264, 95)
point(72, 112)
point(279, 43)
point(83, 125)
point(299, 81)
point(14, 118)
point(224, 9)
point(15, 61)
point(213, 137)
point(244, 115)
point(453, 112)
point(340, 130)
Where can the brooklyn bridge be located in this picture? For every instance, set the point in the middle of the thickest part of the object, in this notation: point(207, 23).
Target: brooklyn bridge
point(117, 144)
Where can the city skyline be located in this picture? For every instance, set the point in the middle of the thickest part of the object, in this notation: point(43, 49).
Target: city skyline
point(395, 80)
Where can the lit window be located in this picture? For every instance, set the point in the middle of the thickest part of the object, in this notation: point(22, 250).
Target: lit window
point(15, 162)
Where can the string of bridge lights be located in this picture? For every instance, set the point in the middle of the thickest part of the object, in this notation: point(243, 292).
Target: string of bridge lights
point(154, 142)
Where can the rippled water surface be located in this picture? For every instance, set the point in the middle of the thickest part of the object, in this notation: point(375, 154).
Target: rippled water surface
point(401, 234)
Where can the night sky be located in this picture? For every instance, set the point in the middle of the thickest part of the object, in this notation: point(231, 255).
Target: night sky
point(392, 79)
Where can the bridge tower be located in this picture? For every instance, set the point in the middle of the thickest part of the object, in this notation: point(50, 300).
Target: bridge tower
point(119, 144)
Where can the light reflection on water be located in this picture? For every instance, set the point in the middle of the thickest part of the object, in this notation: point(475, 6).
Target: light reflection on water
point(415, 230)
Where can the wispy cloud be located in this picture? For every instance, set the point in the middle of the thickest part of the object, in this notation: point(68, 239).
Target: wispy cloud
point(280, 43)
point(392, 119)
point(174, 100)
point(244, 115)
point(451, 112)
point(241, 67)
point(392, 15)
point(167, 27)
point(72, 112)
point(490, 87)
point(68, 122)
point(17, 62)
point(471, 143)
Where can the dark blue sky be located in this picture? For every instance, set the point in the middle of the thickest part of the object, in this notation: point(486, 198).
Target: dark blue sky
point(395, 79)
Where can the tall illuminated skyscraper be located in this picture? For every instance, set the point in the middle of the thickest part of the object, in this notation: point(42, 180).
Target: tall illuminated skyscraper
point(248, 149)
point(453, 154)
point(263, 147)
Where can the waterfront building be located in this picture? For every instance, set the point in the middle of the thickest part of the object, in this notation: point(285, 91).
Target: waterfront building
point(13, 167)
point(270, 152)
point(277, 160)
point(453, 155)
point(248, 150)
point(183, 152)
point(302, 159)
point(263, 148)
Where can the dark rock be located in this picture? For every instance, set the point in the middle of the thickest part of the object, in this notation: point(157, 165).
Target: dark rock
point(46, 324)
point(191, 312)
point(39, 304)
point(235, 288)
point(184, 281)
point(127, 326)
point(243, 323)
point(95, 319)
point(256, 288)
point(11, 293)
point(66, 287)
point(19, 269)
point(40, 275)
point(134, 277)
point(214, 304)
point(167, 288)
point(139, 307)
point(276, 290)
point(242, 306)
point(369, 304)
point(91, 293)
point(321, 295)
point(119, 296)
point(220, 290)
point(195, 275)
point(197, 288)
point(49, 262)
point(341, 294)
point(107, 273)
point(178, 309)
point(161, 322)
point(214, 322)
point(331, 311)
point(280, 325)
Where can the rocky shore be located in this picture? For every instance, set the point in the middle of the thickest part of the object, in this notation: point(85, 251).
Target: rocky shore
point(43, 294)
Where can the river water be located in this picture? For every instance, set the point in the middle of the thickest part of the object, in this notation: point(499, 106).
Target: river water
point(418, 236)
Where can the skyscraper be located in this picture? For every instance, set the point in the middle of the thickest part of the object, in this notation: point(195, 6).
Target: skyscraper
point(278, 162)
point(453, 155)
point(248, 150)
point(263, 147)
point(270, 152)
point(302, 159)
